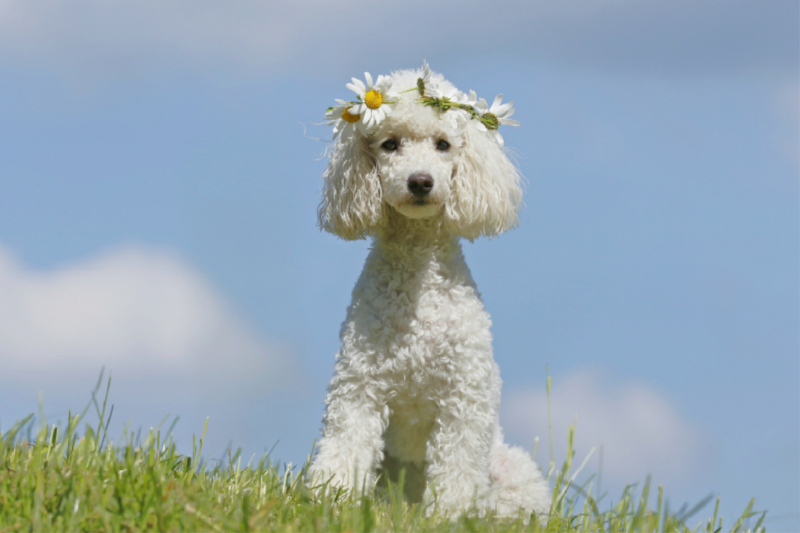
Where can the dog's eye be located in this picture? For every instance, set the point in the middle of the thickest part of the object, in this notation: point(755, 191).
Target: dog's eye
point(390, 145)
point(443, 146)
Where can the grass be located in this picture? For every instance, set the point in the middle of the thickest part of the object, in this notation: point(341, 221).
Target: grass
point(71, 479)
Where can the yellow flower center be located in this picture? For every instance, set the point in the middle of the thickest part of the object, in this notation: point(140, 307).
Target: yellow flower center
point(373, 99)
point(348, 117)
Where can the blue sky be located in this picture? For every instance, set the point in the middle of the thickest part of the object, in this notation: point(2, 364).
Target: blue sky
point(160, 169)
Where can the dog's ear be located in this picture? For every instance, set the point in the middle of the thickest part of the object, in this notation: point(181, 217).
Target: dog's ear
point(351, 203)
point(486, 191)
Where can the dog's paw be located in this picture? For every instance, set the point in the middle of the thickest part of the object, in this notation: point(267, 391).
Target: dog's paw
point(325, 478)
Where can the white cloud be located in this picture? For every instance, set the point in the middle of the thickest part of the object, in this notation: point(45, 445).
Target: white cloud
point(128, 37)
point(142, 313)
point(640, 431)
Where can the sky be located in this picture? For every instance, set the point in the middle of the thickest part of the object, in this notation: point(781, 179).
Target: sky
point(160, 168)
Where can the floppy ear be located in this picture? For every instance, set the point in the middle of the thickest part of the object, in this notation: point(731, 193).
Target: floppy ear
point(351, 203)
point(486, 192)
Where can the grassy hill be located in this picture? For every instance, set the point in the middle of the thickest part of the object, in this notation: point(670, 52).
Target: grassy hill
point(74, 478)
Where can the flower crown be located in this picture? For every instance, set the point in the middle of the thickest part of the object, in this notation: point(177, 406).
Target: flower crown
point(373, 102)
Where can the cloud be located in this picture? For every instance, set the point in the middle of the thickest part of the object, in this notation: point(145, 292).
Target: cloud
point(142, 313)
point(131, 37)
point(640, 431)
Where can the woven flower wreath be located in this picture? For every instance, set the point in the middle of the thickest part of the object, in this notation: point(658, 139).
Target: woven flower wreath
point(374, 101)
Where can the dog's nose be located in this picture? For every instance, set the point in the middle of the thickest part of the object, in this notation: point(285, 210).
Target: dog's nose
point(420, 185)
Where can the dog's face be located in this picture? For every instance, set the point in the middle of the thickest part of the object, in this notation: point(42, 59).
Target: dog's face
point(423, 163)
point(416, 161)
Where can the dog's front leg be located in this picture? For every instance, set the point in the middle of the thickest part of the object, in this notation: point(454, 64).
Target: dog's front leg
point(459, 453)
point(352, 445)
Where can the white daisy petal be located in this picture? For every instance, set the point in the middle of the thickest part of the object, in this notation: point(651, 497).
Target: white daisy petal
point(449, 93)
point(501, 110)
point(508, 113)
point(369, 80)
point(508, 122)
point(359, 84)
point(496, 103)
point(386, 89)
point(356, 89)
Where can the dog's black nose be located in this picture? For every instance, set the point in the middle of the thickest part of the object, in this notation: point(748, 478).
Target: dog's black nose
point(420, 185)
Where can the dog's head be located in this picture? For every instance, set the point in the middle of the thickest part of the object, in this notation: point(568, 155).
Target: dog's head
point(421, 162)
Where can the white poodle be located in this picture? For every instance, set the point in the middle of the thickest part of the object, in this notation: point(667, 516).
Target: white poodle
point(418, 165)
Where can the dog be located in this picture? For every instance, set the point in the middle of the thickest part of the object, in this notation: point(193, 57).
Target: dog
point(416, 166)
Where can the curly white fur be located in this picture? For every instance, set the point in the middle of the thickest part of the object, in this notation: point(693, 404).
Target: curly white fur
point(415, 384)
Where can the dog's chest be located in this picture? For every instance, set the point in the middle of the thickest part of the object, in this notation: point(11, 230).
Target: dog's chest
point(419, 326)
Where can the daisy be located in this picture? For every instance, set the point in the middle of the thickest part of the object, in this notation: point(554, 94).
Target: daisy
point(470, 99)
point(451, 93)
point(466, 100)
point(372, 99)
point(492, 117)
point(342, 120)
point(452, 113)
point(425, 81)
